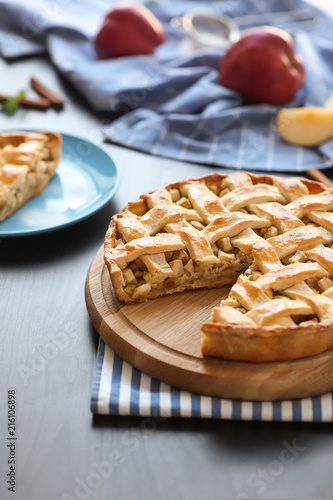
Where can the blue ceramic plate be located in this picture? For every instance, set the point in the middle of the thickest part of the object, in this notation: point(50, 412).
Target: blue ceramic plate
point(85, 181)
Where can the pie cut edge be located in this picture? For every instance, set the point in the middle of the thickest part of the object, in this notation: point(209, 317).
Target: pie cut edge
point(270, 237)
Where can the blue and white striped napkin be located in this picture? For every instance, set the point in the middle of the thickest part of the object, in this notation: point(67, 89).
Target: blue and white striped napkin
point(120, 389)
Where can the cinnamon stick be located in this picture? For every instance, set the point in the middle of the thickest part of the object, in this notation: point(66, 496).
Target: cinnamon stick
point(41, 103)
point(317, 175)
point(44, 91)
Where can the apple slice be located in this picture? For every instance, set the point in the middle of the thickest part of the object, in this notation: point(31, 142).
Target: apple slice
point(329, 102)
point(305, 126)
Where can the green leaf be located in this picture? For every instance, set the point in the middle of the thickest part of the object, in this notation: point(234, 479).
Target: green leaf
point(10, 105)
point(20, 95)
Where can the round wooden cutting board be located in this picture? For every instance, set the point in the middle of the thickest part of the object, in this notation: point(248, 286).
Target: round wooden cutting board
point(162, 338)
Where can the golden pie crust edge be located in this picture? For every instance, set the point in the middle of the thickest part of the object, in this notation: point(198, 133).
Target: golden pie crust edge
point(37, 186)
point(237, 342)
point(275, 343)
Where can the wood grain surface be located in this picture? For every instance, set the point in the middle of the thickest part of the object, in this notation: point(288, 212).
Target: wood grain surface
point(162, 338)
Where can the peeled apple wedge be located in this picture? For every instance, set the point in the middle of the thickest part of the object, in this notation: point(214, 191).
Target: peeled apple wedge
point(305, 126)
point(329, 102)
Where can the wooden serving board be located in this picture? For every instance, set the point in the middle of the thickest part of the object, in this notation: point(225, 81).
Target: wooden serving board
point(162, 338)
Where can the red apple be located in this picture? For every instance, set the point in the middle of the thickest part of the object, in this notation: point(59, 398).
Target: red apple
point(129, 29)
point(263, 66)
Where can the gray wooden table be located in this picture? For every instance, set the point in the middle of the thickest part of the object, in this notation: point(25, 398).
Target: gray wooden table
point(60, 445)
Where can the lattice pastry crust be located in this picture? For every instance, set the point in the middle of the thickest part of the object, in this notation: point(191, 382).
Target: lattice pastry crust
point(28, 160)
point(269, 237)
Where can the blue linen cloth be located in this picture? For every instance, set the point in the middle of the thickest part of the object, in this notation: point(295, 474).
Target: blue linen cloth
point(172, 102)
point(120, 389)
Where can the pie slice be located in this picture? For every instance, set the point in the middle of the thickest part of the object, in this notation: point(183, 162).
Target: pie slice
point(269, 238)
point(28, 160)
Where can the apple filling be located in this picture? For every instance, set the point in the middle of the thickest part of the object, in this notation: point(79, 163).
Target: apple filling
point(168, 274)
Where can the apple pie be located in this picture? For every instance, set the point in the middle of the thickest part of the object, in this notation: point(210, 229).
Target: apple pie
point(269, 238)
point(28, 160)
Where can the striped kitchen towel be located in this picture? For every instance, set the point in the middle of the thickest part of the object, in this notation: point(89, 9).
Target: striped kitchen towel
point(120, 389)
point(171, 102)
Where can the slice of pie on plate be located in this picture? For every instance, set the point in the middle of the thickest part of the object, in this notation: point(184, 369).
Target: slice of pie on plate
point(269, 238)
point(28, 160)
